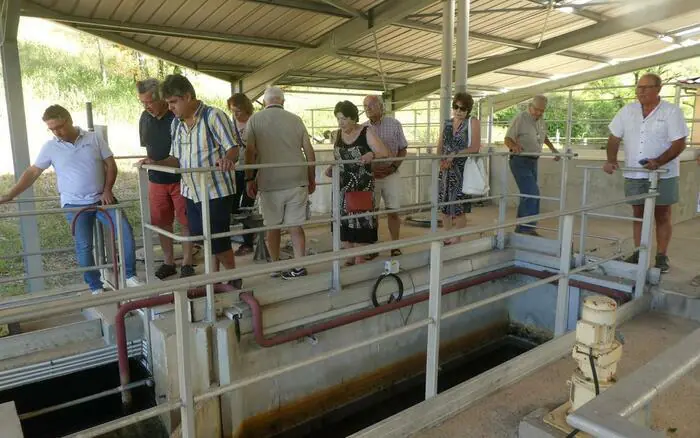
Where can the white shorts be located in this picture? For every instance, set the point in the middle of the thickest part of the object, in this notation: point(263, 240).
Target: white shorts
point(389, 189)
point(284, 207)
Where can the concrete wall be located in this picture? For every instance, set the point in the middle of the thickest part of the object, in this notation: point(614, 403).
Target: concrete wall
point(602, 187)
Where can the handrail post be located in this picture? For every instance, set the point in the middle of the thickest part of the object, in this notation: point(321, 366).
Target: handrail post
point(562, 315)
point(184, 365)
point(434, 185)
point(584, 220)
point(562, 190)
point(121, 267)
point(434, 315)
point(417, 186)
point(206, 237)
point(146, 232)
point(335, 206)
point(502, 205)
point(645, 241)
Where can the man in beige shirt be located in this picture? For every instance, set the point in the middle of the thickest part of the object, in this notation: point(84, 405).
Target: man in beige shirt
point(275, 135)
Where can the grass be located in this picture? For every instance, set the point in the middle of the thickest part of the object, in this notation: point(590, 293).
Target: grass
point(54, 231)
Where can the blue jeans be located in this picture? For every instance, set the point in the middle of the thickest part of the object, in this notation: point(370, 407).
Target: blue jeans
point(84, 227)
point(525, 173)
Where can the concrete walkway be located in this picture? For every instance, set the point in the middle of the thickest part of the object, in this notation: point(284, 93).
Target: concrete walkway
point(674, 411)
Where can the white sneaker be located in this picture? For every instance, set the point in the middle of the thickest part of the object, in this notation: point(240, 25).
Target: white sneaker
point(134, 282)
point(98, 291)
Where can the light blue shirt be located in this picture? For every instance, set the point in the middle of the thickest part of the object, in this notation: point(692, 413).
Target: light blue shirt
point(80, 168)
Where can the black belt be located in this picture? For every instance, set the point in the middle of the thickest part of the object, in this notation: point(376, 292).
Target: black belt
point(524, 156)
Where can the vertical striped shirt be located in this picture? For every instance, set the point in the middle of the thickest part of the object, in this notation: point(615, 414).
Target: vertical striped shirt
point(201, 145)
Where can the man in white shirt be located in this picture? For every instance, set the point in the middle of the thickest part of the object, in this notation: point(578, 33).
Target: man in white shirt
point(654, 132)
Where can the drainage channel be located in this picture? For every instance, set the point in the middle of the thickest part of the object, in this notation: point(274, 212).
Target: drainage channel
point(375, 407)
point(32, 399)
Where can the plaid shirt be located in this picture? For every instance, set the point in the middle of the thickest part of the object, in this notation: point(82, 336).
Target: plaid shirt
point(206, 141)
point(390, 132)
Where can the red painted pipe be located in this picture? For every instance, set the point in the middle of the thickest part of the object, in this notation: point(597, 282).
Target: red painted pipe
point(293, 335)
point(112, 228)
point(120, 326)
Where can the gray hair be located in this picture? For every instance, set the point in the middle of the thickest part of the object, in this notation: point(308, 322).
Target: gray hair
point(378, 99)
point(272, 95)
point(538, 98)
point(657, 79)
point(149, 85)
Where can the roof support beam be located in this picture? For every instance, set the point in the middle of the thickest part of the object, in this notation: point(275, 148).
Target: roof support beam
point(511, 98)
point(434, 28)
point(338, 4)
point(557, 44)
point(529, 74)
point(307, 5)
point(598, 17)
point(383, 15)
point(95, 24)
point(390, 57)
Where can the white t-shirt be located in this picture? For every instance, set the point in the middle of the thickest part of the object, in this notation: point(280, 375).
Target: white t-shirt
point(648, 138)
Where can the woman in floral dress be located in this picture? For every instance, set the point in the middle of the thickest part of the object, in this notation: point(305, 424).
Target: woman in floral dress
point(461, 136)
point(361, 144)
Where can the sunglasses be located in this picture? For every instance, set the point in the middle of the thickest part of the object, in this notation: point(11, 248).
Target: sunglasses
point(458, 107)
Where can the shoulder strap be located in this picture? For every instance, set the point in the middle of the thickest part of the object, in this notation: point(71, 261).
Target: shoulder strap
point(468, 131)
point(238, 133)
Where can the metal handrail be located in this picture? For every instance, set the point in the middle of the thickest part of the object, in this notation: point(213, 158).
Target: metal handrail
point(76, 303)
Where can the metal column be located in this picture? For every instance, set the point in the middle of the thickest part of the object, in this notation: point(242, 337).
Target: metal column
point(645, 242)
point(12, 75)
point(461, 65)
point(562, 315)
point(448, 28)
point(434, 315)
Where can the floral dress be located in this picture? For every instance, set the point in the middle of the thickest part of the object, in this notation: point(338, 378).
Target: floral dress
point(450, 182)
point(355, 177)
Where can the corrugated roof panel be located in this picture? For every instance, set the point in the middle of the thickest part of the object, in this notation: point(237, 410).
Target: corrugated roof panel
point(685, 20)
point(124, 10)
point(555, 64)
point(106, 9)
point(616, 42)
point(252, 56)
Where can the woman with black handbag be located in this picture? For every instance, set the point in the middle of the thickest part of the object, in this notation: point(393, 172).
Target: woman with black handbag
point(357, 143)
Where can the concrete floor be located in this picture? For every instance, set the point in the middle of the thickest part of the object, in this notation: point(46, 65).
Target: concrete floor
point(685, 259)
point(674, 411)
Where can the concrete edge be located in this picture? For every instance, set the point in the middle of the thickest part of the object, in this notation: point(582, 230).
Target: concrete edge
point(9, 419)
point(434, 411)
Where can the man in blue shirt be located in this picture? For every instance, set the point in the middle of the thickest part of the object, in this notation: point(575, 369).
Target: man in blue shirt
point(85, 172)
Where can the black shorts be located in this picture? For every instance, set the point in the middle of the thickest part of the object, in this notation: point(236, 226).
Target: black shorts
point(220, 221)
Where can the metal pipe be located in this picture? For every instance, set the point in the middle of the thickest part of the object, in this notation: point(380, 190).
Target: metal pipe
point(645, 238)
point(569, 118)
point(434, 189)
point(562, 309)
point(562, 193)
point(53, 273)
point(288, 336)
point(126, 421)
point(434, 316)
point(502, 206)
point(584, 220)
point(461, 64)
point(448, 28)
point(207, 247)
point(184, 364)
point(120, 327)
point(542, 198)
point(336, 287)
point(90, 122)
point(86, 399)
point(121, 273)
point(613, 216)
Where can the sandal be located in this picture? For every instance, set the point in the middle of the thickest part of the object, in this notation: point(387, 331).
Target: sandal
point(396, 252)
point(349, 262)
point(360, 260)
point(695, 281)
point(165, 271)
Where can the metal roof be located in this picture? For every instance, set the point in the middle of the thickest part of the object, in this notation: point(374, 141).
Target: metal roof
point(398, 42)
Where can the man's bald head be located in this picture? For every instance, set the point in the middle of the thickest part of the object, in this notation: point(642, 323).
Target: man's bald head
point(374, 108)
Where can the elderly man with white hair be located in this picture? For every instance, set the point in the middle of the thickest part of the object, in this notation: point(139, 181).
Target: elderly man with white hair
point(276, 136)
point(387, 180)
point(526, 134)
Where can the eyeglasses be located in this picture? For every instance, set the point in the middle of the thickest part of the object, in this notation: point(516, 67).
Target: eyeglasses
point(458, 107)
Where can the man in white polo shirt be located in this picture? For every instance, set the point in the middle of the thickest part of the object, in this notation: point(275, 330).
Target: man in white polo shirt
point(86, 172)
point(654, 134)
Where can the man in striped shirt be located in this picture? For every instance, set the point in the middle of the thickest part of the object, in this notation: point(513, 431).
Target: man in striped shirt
point(202, 136)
